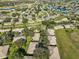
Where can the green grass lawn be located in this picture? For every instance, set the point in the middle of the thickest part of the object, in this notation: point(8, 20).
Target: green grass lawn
point(59, 18)
point(28, 42)
point(14, 47)
point(68, 43)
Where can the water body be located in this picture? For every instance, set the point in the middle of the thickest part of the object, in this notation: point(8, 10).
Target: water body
point(58, 8)
point(7, 9)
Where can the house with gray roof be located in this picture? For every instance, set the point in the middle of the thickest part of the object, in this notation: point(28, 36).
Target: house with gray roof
point(31, 48)
point(36, 37)
point(54, 53)
point(52, 40)
point(3, 51)
point(28, 57)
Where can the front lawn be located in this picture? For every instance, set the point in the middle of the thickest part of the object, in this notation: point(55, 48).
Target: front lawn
point(68, 44)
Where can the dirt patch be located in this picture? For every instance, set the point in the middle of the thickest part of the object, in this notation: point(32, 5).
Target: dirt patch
point(74, 36)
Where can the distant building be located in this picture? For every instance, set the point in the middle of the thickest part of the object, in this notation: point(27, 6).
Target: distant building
point(1, 21)
point(48, 0)
point(7, 30)
point(18, 38)
point(28, 57)
point(58, 27)
point(77, 12)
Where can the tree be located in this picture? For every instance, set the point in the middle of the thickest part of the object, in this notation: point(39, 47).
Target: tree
point(14, 14)
point(13, 22)
point(2, 23)
point(5, 12)
point(20, 43)
point(8, 36)
point(48, 23)
point(24, 20)
point(1, 41)
point(18, 9)
point(33, 17)
point(18, 54)
point(7, 19)
point(42, 51)
point(43, 38)
point(24, 9)
point(18, 14)
point(29, 32)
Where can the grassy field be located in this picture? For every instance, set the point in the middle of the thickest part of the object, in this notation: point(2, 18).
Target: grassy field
point(59, 18)
point(68, 43)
